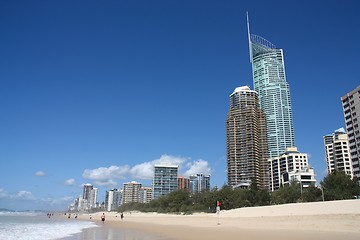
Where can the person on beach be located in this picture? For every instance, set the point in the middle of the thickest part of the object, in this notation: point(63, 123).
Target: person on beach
point(122, 216)
point(103, 217)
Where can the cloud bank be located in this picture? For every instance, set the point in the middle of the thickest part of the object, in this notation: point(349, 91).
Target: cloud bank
point(106, 176)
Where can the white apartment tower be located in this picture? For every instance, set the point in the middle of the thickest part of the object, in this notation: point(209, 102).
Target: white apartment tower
point(351, 106)
point(113, 199)
point(337, 152)
point(291, 165)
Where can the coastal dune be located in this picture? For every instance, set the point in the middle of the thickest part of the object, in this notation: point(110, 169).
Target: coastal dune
point(319, 220)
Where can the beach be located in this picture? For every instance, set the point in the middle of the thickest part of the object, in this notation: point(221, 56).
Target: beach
point(319, 220)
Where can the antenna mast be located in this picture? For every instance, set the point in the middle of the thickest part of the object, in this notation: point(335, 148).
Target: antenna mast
point(248, 28)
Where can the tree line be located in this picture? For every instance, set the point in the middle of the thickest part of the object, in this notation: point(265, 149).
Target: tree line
point(336, 186)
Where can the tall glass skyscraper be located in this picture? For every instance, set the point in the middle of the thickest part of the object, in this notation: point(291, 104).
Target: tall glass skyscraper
point(274, 94)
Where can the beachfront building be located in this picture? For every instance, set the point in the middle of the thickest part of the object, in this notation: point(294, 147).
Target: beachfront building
point(305, 176)
point(183, 183)
point(89, 197)
point(113, 199)
point(337, 152)
point(351, 107)
point(93, 198)
point(291, 165)
point(165, 180)
point(145, 194)
point(269, 78)
point(199, 182)
point(87, 191)
point(131, 192)
point(246, 140)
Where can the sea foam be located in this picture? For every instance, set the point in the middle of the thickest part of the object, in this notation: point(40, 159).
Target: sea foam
point(26, 226)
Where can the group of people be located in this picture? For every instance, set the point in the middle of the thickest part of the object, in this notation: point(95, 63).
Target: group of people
point(103, 217)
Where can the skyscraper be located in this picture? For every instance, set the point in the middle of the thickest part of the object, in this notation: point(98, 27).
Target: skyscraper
point(274, 94)
point(165, 180)
point(246, 140)
point(113, 199)
point(351, 107)
point(131, 192)
point(199, 183)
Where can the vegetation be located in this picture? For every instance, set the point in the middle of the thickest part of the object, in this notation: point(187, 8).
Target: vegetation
point(335, 186)
point(338, 186)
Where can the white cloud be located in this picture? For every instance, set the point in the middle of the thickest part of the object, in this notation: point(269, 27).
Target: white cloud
point(103, 174)
point(146, 170)
point(108, 183)
point(40, 173)
point(199, 166)
point(143, 171)
point(23, 195)
point(70, 182)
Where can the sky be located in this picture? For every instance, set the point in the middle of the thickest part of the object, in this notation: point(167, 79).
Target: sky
point(100, 91)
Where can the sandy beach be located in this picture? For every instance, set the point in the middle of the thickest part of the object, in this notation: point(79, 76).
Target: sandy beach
point(320, 220)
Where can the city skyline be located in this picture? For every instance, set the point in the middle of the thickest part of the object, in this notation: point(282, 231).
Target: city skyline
point(101, 92)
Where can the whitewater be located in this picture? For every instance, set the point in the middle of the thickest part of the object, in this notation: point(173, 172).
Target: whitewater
point(39, 226)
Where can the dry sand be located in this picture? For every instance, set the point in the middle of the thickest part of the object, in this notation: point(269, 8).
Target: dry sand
point(320, 220)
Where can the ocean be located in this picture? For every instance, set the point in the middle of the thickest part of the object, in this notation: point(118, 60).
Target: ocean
point(38, 226)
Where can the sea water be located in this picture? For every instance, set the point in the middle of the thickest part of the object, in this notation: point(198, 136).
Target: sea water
point(39, 226)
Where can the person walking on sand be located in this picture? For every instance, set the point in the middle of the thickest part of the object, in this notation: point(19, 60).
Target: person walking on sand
point(103, 217)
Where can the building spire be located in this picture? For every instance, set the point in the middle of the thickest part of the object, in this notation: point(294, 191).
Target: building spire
point(248, 29)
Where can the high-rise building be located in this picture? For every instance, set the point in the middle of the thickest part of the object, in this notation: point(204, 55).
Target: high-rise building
point(199, 183)
point(87, 191)
point(165, 180)
point(93, 198)
point(247, 152)
point(131, 192)
point(145, 195)
point(337, 152)
point(290, 166)
point(183, 183)
point(113, 199)
point(351, 107)
point(270, 83)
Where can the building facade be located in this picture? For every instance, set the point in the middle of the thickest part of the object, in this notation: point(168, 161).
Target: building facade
point(87, 191)
point(183, 183)
point(165, 180)
point(270, 83)
point(291, 165)
point(337, 152)
point(199, 183)
point(145, 195)
point(131, 191)
point(113, 199)
point(247, 149)
point(351, 107)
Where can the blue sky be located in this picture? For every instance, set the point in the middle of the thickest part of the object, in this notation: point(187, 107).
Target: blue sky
point(99, 91)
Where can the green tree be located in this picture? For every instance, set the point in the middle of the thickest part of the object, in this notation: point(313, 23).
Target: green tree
point(311, 194)
point(256, 196)
point(338, 186)
point(287, 194)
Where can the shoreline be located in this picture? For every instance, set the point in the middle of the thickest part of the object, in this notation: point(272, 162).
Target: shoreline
point(318, 220)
